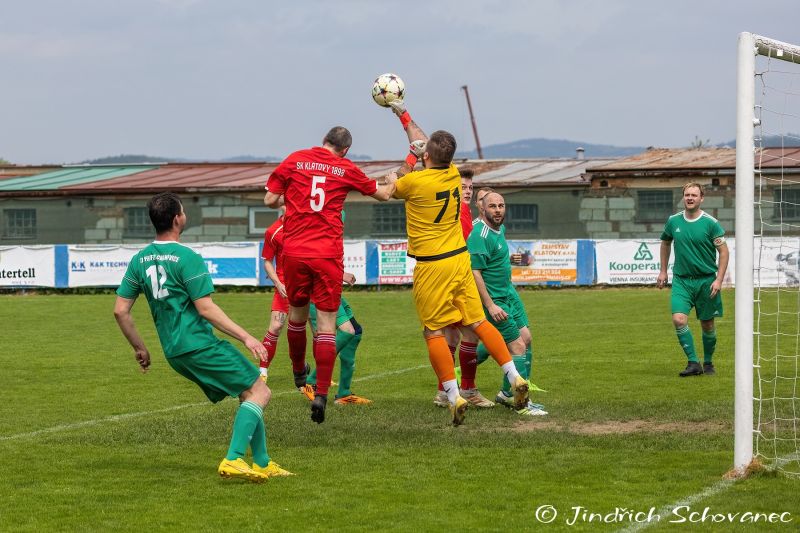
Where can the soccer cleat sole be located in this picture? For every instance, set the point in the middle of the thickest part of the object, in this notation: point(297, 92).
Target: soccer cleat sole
point(318, 409)
point(459, 411)
point(520, 392)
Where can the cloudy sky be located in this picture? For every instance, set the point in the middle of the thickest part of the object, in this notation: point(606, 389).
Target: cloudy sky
point(218, 78)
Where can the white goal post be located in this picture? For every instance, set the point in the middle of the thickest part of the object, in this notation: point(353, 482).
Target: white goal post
point(748, 167)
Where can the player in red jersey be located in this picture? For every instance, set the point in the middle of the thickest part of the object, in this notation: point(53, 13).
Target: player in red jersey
point(273, 250)
point(315, 183)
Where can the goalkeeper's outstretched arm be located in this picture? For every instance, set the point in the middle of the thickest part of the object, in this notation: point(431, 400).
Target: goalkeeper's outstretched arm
point(416, 137)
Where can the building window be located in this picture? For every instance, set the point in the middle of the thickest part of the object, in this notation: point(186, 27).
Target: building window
point(19, 223)
point(655, 206)
point(389, 219)
point(137, 222)
point(522, 217)
point(787, 204)
point(260, 218)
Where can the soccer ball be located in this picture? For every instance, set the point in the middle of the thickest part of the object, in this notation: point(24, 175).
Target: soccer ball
point(387, 88)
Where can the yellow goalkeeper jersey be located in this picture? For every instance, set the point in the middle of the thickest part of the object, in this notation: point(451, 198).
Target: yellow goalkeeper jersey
point(433, 210)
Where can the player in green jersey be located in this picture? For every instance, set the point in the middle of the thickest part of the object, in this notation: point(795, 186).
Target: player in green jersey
point(177, 286)
point(501, 304)
point(696, 276)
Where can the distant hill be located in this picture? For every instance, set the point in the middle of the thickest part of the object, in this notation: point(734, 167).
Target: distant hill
point(550, 148)
point(772, 141)
point(133, 159)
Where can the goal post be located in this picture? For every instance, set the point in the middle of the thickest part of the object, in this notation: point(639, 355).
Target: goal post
point(765, 293)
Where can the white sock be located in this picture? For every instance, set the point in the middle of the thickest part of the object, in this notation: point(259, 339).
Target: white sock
point(451, 389)
point(264, 371)
point(510, 372)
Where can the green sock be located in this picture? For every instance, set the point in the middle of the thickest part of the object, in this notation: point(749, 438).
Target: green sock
point(528, 363)
point(519, 364)
point(687, 342)
point(709, 345)
point(259, 444)
point(347, 362)
point(311, 379)
point(483, 353)
point(244, 425)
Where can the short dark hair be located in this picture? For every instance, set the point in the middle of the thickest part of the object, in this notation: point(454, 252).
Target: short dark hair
point(441, 147)
point(466, 173)
point(339, 137)
point(163, 208)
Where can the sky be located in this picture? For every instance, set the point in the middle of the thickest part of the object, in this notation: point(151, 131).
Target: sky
point(209, 79)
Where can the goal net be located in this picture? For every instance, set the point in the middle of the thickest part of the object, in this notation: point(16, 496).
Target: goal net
point(768, 255)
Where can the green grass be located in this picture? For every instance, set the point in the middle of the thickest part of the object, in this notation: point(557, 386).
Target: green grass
point(88, 442)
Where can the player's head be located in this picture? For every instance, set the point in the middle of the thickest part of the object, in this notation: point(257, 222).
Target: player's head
point(495, 209)
point(693, 194)
point(338, 140)
point(440, 149)
point(466, 184)
point(166, 212)
point(479, 196)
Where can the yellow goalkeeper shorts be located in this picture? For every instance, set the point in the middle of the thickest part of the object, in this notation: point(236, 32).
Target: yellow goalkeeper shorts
point(445, 292)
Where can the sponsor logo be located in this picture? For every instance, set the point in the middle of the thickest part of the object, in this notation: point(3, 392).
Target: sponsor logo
point(643, 253)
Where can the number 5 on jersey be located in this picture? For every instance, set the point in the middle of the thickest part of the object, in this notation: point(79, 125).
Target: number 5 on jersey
point(317, 193)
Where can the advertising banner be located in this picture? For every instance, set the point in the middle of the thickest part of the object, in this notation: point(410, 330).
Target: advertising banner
point(775, 262)
point(394, 265)
point(27, 266)
point(629, 262)
point(230, 263)
point(543, 261)
point(96, 265)
point(355, 260)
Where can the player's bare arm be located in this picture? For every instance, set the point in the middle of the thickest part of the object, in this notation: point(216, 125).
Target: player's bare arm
point(495, 311)
point(269, 269)
point(214, 314)
point(349, 278)
point(122, 313)
point(661, 281)
point(272, 199)
point(724, 257)
point(386, 189)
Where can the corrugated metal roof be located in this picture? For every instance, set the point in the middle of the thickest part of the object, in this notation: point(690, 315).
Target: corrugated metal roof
point(697, 159)
point(68, 177)
point(537, 172)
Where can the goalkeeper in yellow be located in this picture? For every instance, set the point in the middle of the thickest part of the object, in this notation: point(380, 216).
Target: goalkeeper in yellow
point(444, 287)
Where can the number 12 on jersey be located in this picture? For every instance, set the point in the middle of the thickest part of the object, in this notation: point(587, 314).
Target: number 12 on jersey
point(445, 195)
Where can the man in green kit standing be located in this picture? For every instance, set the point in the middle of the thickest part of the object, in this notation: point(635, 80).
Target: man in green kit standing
point(697, 275)
point(177, 285)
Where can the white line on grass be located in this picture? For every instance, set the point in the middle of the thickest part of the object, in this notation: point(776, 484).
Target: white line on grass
point(718, 487)
point(128, 416)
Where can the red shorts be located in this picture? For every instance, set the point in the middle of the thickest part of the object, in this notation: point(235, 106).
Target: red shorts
point(313, 278)
point(279, 303)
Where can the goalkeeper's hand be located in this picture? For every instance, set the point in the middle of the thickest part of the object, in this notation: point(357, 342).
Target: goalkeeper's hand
point(398, 106)
point(418, 148)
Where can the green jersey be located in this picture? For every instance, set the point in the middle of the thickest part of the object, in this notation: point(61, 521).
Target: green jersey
point(695, 242)
point(172, 276)
point(488, 251)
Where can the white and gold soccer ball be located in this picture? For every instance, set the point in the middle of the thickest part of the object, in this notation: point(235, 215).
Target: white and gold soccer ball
point(387, 87)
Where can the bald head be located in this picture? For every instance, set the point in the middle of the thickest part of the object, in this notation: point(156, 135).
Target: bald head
point(494, 208)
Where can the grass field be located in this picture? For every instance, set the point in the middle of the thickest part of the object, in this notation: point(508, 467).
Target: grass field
point(89, 443)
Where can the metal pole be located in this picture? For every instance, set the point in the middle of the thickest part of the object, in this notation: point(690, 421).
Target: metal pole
point(745, 162)
point(474, 125)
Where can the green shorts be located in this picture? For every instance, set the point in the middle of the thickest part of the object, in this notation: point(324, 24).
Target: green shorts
point(688, 292)
point(343, 314)
point(220, 370)
point(517, 317)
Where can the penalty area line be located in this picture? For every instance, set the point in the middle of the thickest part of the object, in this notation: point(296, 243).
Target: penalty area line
point(128, 416)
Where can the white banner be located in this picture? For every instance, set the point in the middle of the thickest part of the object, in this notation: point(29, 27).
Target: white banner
point(775, 262)
point(629, 262)
point(355, 260)
point(94, 265)
point(22, 266)
point(394, 265)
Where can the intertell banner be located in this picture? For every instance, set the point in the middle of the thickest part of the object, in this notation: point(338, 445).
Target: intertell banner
point(27, 266)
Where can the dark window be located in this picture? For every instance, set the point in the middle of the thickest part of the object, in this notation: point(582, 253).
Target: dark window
point(260, 218)
point(137, 222)
point(19, 223)
point(654, 206)
point(389, 219)
point(522, 217)
point(787, 203)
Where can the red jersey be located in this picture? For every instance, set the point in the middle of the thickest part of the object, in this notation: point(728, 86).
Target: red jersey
point(273, 246)
point(466, 220)
point(315, 183)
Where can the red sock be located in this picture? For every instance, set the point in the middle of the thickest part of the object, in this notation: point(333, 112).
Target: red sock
point(468, 358)
point(296, 336)
point(325, 358)
point(453, 353)
point(270, 342)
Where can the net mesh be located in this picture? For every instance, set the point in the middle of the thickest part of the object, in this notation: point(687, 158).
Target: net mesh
point(776, 259)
